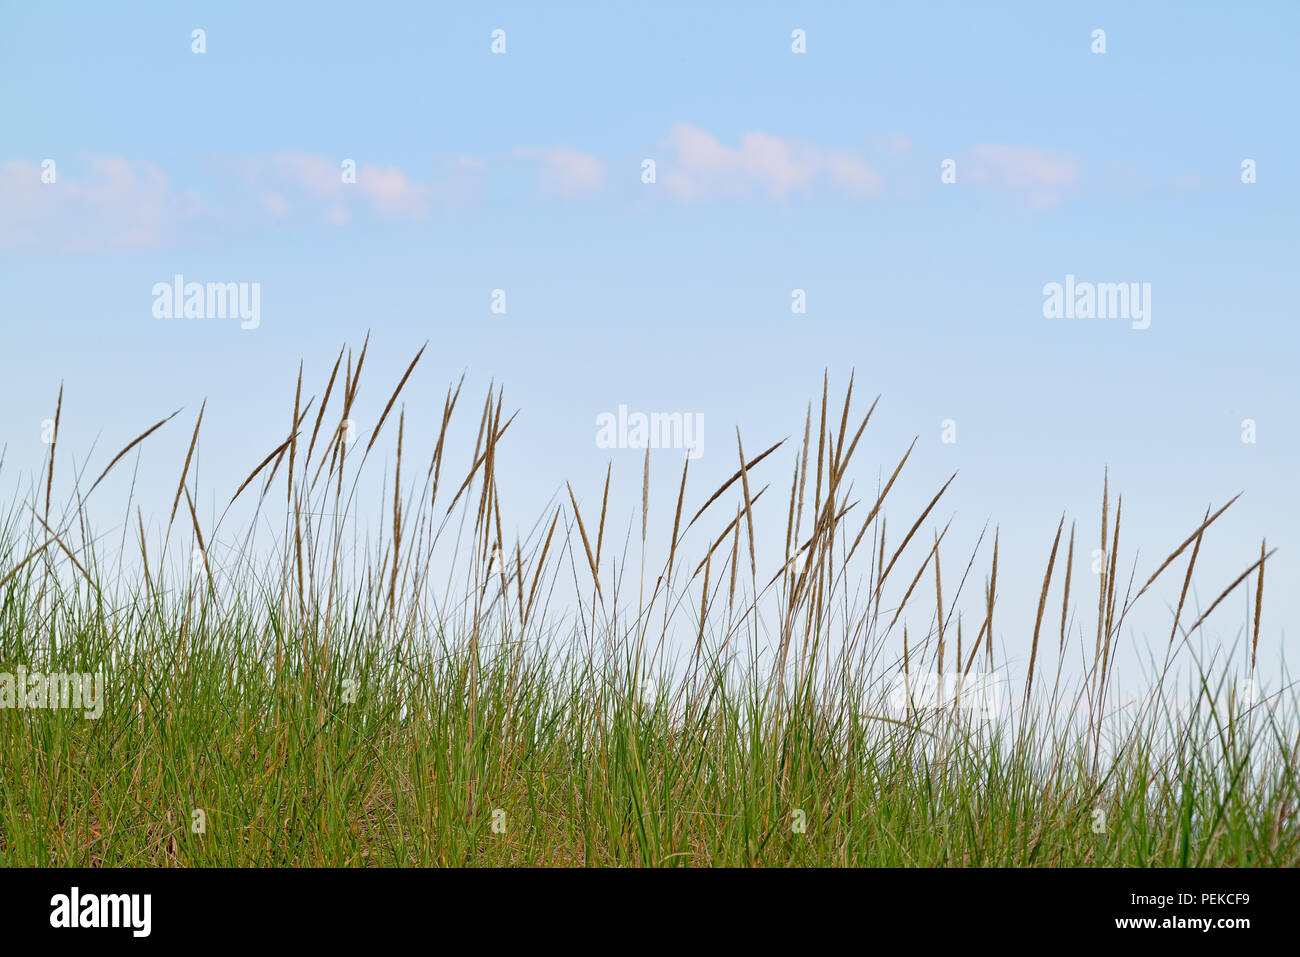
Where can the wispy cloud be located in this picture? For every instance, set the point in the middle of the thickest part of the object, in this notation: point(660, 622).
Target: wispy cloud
point(893, 143)
point(275, 204)
point(568, 172)
point(392, 194)
point(1039, 177)
point(699, 166)
point(119, 206)
point(386, 190)
point(851, 174)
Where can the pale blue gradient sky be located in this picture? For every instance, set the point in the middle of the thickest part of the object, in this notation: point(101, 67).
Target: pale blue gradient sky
point(1122, 167)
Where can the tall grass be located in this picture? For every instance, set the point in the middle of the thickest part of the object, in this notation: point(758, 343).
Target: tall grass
point(556, 701)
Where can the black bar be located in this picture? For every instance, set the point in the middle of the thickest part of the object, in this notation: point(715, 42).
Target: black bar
point(341, 907)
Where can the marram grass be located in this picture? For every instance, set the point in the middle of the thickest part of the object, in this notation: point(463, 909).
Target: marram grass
point(550, 702)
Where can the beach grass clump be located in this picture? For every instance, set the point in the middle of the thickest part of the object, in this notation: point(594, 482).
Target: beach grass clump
point(427, 690)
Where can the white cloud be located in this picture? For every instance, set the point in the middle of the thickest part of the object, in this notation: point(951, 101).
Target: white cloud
point(1037, 175)
point(699, 166)
point(275, 204)
point(569, 172)
point(894, 143)
point(319, 175)
point(119, 206)
point(390, 193)
point(851, 174)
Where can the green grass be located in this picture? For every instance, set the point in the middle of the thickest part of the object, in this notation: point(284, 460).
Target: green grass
point(333, 706)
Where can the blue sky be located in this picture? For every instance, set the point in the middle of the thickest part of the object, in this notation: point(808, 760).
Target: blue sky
point(775, 171)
